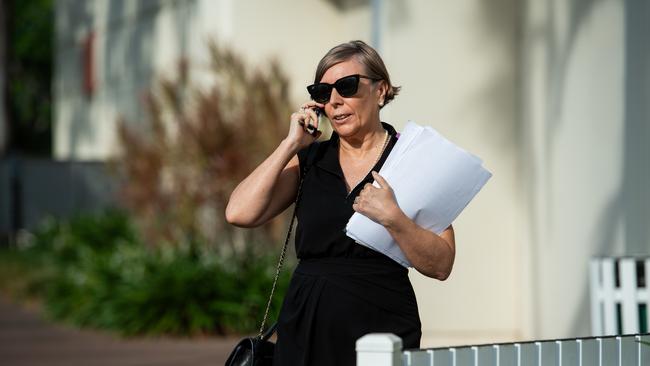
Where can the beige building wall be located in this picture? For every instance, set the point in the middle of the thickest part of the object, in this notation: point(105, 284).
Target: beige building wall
point(457, 62)
point(585, 140)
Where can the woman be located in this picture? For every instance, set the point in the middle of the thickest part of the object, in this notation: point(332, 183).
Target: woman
point(341, 290)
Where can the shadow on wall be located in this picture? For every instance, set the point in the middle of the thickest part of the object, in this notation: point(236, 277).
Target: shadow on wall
point(636, 169)
point(631, 205)
point(559, 56)
point(345, 5)
point(560, 53)
point(500, 95)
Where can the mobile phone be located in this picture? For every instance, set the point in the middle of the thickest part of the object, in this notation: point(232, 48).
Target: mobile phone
point(310, 128)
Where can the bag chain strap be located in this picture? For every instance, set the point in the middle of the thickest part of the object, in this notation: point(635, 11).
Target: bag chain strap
point(282, 254)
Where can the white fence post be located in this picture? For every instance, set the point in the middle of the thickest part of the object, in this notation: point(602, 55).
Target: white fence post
point(595, 284)
point(629, 300)
point(619, 295)
point(379, 349)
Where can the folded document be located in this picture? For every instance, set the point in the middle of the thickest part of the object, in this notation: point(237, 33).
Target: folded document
point(433, 181)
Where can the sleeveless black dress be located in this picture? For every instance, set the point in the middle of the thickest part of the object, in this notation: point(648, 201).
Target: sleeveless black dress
point(340, 290)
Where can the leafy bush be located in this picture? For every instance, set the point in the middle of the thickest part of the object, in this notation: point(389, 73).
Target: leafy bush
point(137, 292)
point(67, 240)
point(99, 276)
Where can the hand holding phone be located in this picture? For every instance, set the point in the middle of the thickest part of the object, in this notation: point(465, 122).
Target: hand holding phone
point(311, 129)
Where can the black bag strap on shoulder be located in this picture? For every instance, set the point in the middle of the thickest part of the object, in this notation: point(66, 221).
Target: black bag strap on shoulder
point(309, 161)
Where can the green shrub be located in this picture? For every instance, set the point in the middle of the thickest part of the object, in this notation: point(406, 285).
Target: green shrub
point(99, 276)
point(66, 241)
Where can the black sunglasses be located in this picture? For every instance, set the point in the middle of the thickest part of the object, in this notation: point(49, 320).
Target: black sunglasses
point(346, 86)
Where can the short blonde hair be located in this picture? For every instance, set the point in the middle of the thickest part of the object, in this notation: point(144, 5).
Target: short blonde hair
point(366, 55)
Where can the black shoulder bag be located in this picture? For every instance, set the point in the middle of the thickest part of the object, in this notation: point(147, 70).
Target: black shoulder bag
point(258, 351)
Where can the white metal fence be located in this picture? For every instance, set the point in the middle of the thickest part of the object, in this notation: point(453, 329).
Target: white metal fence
point(619, 305)
point(619, 295)
point(628, 350)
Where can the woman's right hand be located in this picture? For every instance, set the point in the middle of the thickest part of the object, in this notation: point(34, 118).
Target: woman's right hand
point(301, 122)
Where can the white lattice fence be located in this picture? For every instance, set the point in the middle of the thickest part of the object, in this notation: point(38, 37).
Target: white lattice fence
point(619, 295)
point(628, 350)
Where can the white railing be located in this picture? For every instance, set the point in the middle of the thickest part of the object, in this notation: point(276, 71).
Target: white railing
point(629, 350)
point(619, 295)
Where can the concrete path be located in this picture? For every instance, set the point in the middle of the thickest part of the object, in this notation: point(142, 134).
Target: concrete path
point(26, 339)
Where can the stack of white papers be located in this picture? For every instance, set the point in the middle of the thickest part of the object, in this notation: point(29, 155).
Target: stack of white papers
point(433, 181)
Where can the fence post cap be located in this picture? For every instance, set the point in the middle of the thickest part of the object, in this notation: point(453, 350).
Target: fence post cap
point(379, 342)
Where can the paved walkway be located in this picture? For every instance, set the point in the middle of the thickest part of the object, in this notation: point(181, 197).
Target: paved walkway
point(26, 339)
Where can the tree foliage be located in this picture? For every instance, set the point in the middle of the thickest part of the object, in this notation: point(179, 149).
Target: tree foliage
point(30, 26)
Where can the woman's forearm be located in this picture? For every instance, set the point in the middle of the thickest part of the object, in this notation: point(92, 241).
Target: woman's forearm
point(431, 254)
point(268, 188)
